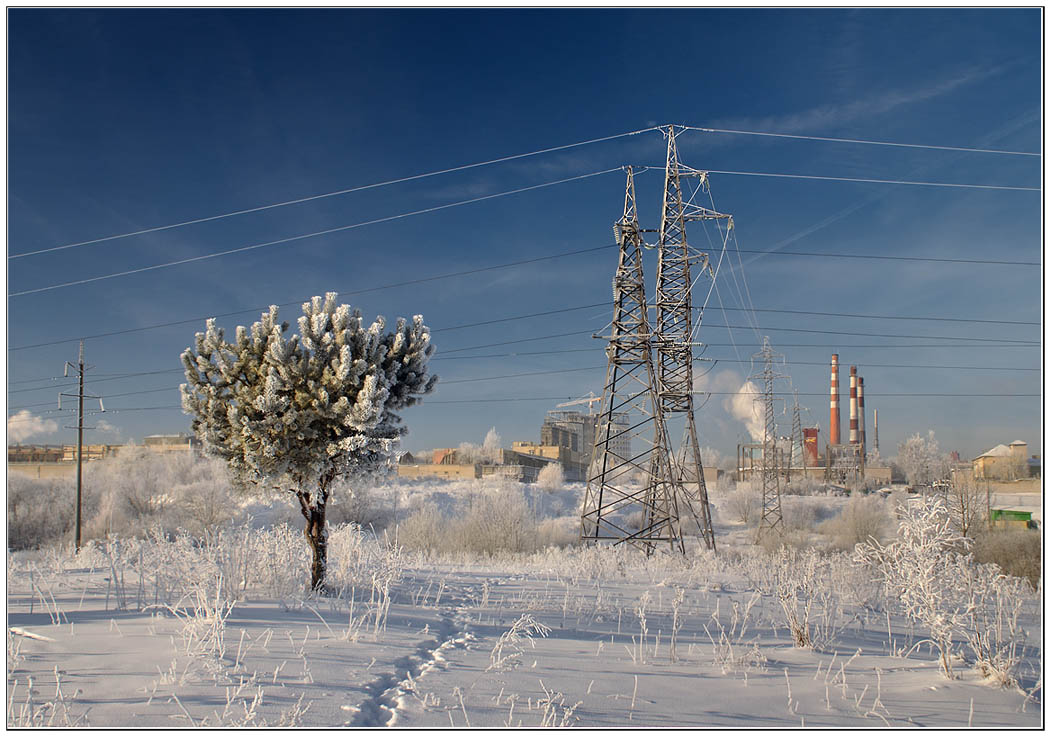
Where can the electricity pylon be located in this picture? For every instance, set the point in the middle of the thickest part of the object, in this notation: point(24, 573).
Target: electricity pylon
point(771, 518)
point(673, 337)
point(649, 379)
point(797, 439)
point(625, 501)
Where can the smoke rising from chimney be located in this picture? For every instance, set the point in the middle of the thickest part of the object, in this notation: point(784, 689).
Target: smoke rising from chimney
point(744, 407)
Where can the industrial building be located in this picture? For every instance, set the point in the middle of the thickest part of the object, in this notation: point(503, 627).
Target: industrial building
point(1006, 463)
point(446, 465)
point(839, 463)
point(568, 437)
point(60, 461)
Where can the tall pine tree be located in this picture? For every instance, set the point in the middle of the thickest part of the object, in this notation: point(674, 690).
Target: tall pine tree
point(297, 412)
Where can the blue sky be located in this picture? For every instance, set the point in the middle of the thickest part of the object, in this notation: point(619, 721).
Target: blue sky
point(122, 120)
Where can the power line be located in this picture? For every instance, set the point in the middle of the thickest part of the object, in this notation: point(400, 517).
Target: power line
point(570, 370)
point(291, 239)
point(928, 259)
point(872, 317)
point(858, 140)
point(518, 354)
point(503, 159)
point(42, 388)
point(872, 181)
point(880, 335)
point(995, 341)
point(331, 194)
point(329, 231)
point(548, 258)
point(394, 285)
point(116, 410)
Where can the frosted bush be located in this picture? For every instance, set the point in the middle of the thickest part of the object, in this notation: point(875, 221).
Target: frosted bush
point(362, 503)
point(550, 477)
point(39, 512)
point(991, 612)
point(796, 584)
point(946, 591)
point(920, 570)
point(424, 529)
point(201, 506)
point(744, 504)
point(139, 489)
point(1016, 552)
point(559, 533)
point(498, 522)
point(863, 519)
point(496, 519)
point(802, 514)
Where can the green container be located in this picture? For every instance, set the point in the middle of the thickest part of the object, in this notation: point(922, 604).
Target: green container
point(1011, 515)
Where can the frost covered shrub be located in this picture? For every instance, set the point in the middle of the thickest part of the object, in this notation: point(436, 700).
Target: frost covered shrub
point(39, 512)
point(919, 570)
point(1016, 552)
point(864, 518)
point(802, 487)
point(744, 504)
point(495, 520)
point(424, 529)
point(498, 522)
point(559, 533)
point(138, 490)
point(360, 504)
point(550, 477)
point(803, 514)
point(924, 572)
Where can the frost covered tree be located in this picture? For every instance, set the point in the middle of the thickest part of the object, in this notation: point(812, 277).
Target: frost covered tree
point(919, 459)
point(922, 570)
point(967, 504)
point(492, 446)
point(297, 412)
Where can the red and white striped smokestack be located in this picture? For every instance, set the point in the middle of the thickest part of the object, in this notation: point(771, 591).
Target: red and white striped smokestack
point(861, 414)
point(833, 417)
point(853, 404)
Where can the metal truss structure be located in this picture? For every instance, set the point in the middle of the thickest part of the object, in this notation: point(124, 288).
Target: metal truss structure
point(797, 452)
point(651, 373)
point(771, 519)
point(625, 501)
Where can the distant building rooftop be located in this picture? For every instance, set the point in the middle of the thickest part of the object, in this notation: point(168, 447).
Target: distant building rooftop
point(999, 451)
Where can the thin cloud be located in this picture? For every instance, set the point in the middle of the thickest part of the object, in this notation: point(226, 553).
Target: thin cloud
point(24, 425)
point(833, 115)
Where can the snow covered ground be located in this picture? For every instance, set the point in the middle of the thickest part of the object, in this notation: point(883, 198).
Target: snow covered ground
point(168, 633)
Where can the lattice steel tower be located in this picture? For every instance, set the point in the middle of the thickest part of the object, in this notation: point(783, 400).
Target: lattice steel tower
point(625, 500)
point(673, 340)
point(771, 519)
point(797, 452)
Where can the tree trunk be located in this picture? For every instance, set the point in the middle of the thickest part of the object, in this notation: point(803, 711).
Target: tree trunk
point(316, 533)
point(317, 536)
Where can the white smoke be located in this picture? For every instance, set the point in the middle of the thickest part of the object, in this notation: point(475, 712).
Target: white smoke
point(744, 407)
point(24, 425)
point(106, 428)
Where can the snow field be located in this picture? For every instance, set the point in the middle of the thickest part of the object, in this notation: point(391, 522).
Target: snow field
point(181, 631)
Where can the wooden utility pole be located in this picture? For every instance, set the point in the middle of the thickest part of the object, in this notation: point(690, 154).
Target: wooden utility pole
point(80, 368)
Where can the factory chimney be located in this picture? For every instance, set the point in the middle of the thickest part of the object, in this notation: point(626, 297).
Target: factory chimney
point(853, 405)
point(861, 414)
point(833, 419)
point(875, 429)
